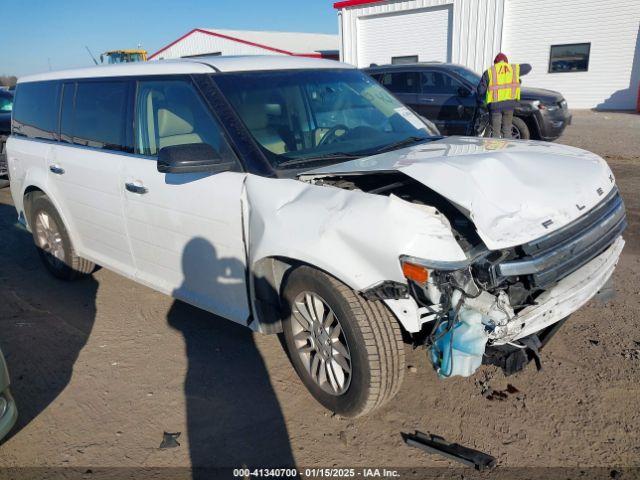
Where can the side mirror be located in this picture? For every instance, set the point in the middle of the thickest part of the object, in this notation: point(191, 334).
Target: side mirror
point(464, 92)
point(191, 158)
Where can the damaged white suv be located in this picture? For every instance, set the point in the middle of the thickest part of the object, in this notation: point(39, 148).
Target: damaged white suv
point(297, 195)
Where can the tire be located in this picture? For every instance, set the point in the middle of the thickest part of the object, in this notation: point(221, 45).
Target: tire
point(55, 248)
point(370, 332)
point(522, 128)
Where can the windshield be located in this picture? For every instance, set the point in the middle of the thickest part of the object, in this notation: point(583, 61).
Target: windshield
point(305, 116)
point(6, 103)
point(469, 75)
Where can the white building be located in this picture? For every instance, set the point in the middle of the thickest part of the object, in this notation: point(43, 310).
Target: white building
point(205, 41)
point(589, 50)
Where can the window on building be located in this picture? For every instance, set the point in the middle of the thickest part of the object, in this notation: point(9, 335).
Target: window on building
point(171, 112)
point(439, 83)
point(401, 82)
point(35, 113)
point(100, 115)
point(404, 60)
point(569, 58)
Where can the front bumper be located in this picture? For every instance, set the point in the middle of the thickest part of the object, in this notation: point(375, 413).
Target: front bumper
point(565, 297)
point(551, 125)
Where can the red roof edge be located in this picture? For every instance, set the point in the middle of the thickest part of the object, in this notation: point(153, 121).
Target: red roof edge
point(235, 39)
point(353, 3)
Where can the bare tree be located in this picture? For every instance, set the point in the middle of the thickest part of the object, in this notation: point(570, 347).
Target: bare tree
point(8, 80)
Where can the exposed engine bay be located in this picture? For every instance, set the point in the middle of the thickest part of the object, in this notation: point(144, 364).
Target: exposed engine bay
point(492, 293)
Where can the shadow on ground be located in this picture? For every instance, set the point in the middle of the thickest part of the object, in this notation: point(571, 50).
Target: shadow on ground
point(233, 416)
point(44, 322)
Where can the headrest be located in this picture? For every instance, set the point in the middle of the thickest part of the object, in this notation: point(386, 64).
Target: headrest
point(254, 115)
point(177, 121)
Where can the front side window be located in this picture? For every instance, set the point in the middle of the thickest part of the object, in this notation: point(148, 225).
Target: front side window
point(569, 58)
point(100, 115)
point(171, 112)
point(439, 83)
point(35, 112)
point(307, 116)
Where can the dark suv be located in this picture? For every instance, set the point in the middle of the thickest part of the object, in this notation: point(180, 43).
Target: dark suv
point(6, 105)
point(445, 93)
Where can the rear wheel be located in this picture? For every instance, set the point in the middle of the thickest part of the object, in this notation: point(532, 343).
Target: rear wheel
point(348, 351)
point(53, 242)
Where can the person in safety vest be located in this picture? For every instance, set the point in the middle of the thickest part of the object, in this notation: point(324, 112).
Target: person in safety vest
point(500, 90)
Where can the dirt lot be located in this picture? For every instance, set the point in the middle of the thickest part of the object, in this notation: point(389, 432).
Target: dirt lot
point(101, 367)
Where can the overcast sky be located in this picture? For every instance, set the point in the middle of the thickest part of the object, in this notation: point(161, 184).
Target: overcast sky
point(41, 34)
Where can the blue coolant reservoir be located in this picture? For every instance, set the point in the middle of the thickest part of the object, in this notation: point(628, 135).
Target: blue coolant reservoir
point(459, 351)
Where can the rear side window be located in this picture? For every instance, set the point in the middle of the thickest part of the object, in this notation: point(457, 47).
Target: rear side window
point(35, 112)
point(100, 115)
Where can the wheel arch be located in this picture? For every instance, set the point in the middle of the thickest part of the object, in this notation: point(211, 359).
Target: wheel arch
point(31, 190)
point(269, 276)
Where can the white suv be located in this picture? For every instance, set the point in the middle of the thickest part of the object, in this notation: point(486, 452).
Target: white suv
point(297, 195)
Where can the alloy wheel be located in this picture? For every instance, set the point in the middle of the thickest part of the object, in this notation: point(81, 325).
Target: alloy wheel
point(49, 239)
point(320, 343)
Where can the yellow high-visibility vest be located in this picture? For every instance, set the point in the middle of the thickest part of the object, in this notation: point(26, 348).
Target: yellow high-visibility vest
point(504, 82)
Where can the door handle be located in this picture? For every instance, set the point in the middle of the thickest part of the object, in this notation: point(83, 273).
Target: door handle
point(57, 169)
point(428, 100)
point(133, 188)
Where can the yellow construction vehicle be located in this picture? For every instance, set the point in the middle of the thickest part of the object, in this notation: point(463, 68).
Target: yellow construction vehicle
point(124, 56)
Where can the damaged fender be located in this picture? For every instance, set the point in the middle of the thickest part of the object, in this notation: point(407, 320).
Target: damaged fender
point(357, 237)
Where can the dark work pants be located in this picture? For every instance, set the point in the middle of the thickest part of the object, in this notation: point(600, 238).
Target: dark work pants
point(501, 122)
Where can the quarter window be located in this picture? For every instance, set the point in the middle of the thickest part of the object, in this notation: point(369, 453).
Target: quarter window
point(172, 113)
point(100, 115)
point(569, 58)
point(35, 113)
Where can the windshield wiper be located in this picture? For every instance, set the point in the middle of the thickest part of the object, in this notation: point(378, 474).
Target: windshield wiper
point(319, 158)
point(402, 143)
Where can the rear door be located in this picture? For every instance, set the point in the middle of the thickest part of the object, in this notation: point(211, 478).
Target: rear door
point(84, 168)
point(185, 229)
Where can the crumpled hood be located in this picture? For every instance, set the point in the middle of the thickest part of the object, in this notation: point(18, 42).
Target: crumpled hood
point(513, 191)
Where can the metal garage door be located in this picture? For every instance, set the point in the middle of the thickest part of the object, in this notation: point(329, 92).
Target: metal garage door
point(425, 33)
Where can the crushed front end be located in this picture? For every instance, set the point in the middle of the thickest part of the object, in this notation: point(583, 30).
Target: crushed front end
point(500, 307)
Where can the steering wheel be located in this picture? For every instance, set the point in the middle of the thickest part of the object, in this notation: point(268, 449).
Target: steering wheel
point(330, 135)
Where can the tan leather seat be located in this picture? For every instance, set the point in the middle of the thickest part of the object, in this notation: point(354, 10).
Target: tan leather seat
point(175, 126)
point(256, 119)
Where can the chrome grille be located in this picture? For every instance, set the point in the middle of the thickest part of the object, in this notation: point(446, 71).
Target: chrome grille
point(553, 257)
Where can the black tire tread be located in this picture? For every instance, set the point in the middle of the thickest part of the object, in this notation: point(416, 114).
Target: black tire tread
point(77, 266)
point(383, 339)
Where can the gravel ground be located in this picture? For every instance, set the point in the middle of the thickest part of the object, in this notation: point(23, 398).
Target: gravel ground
point(103, 366)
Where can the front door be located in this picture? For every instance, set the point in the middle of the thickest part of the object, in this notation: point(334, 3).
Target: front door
point(404, 85)
point(185, 229)
point(446, 102)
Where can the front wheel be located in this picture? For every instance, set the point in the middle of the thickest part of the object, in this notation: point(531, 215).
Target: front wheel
point(348, 351)
point(520, 130)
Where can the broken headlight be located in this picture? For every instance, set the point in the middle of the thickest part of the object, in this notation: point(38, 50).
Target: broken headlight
point(430, 280)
